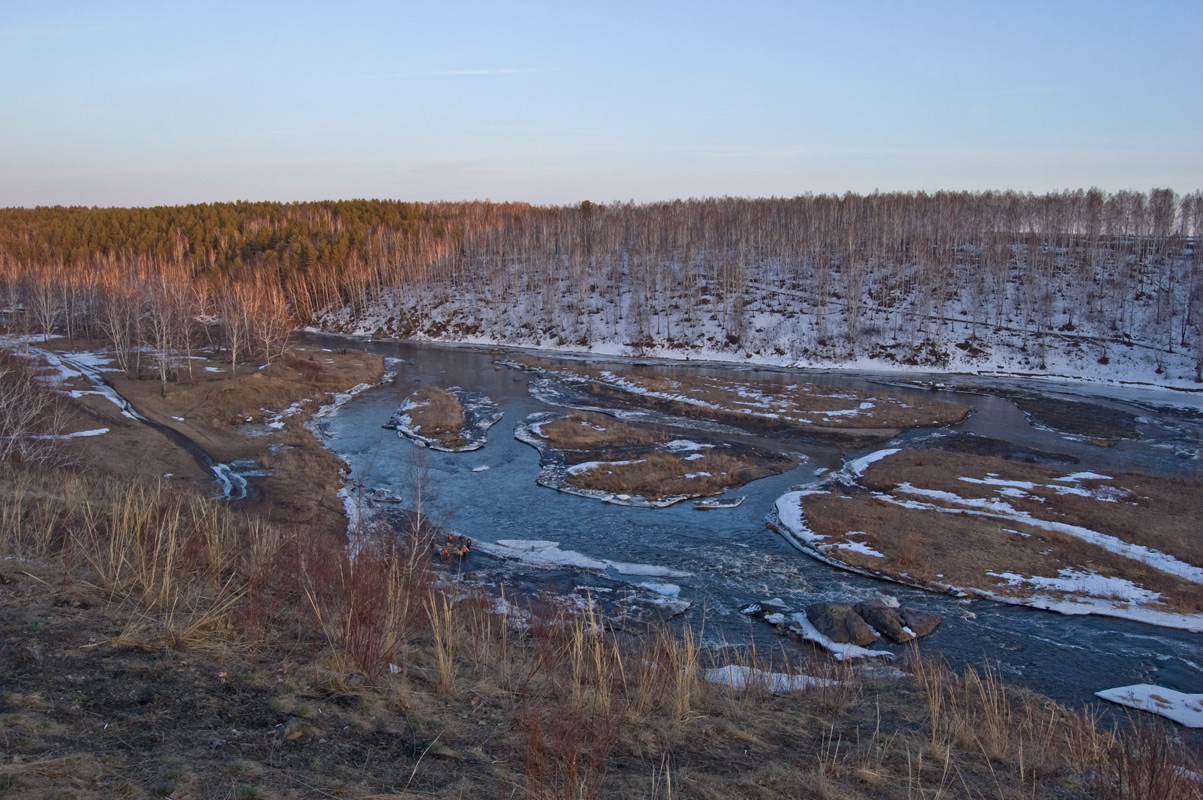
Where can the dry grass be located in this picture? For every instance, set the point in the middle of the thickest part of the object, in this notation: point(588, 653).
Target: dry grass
point(774, 400)
point(437, 415)
point(555, 707)
point(156, 644)
point(1157, 512)
point(937, 547)
point(658, 475)
point(593, 431)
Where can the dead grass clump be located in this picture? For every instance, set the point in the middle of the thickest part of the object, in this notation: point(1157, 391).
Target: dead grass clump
point(658, 475)
point(1143, 763)
point(310, 370)
point(1029, 737)
point(591, 431)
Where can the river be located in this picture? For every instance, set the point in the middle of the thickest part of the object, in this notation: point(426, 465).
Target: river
point(723, 560)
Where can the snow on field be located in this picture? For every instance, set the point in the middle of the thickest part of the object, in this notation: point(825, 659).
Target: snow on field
point(1080, 582)
point(740, 677)
point(82, 434)
point(859, 547)
point(589, 466)
point(1185, 709)
point(998, 509)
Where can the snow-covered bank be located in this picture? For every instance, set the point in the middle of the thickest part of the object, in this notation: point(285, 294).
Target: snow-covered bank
point(740, 677)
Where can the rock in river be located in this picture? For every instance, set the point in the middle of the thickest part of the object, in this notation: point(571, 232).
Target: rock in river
point(840, 623)
point(885, 620)
point(921, 622)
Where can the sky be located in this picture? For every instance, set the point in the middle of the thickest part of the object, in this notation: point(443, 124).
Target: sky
point(152, 103)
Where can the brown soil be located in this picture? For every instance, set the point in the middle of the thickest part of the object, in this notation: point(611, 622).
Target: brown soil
point(959, 549)
point(438, 416)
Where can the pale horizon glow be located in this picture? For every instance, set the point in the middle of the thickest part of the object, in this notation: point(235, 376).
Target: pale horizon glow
point(139, 104)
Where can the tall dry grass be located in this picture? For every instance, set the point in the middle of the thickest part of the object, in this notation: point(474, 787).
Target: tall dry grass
point(177, 558)
point(1032, 740)
point(369, 602)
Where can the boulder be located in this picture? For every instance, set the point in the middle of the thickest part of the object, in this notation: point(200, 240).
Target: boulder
point(840, 623)
point(921, 622)
point(885, 620)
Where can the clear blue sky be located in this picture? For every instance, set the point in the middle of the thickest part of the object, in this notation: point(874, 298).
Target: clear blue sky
point(125, 103)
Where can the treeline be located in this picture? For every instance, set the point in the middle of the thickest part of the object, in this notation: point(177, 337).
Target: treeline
point(817, 274)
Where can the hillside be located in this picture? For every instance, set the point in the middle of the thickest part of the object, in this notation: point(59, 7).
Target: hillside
point(1079, 283)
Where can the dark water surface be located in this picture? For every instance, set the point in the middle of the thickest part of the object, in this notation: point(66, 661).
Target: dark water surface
point(729, 555)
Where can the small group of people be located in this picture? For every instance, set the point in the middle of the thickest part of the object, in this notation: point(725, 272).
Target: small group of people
point(455, 547)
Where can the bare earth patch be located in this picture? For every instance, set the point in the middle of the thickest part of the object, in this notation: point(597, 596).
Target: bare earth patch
point(1080, 542)
point(615, 461)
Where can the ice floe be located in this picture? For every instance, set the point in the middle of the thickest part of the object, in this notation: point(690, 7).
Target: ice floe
point(543, 553)
point(1185, 709)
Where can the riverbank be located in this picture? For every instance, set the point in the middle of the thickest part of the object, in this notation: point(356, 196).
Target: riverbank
point(251, 419)
point(262, 681)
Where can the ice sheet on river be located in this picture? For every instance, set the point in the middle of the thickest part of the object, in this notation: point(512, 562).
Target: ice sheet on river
point(542, 553)
point(1185, 709)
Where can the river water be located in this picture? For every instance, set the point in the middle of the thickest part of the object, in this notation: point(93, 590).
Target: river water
point(722, 560)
